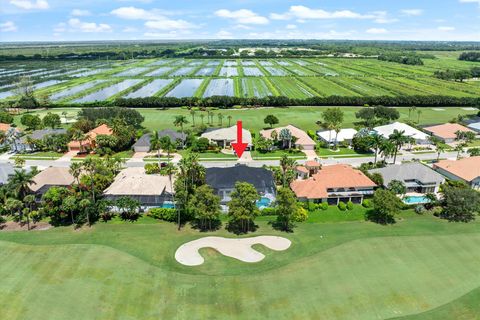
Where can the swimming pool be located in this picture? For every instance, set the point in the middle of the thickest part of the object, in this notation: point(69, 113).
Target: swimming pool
point(263, 202)
point(168, 205)
point(416, 200)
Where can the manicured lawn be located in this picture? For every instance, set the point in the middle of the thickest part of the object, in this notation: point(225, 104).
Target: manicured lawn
point(341, 152)
point(277, 155)
point(333, 214)
point(40, 155)
point(350, 270)
point(211, 155)
point(302, 117)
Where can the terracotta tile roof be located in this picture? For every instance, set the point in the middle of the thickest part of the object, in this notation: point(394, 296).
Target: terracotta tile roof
point(447, 130)
point(302, 169)
point(312, 164)
point(91, 135)
point(302, 137)
point(4, 127)
point(335, 176)
point(468, 168)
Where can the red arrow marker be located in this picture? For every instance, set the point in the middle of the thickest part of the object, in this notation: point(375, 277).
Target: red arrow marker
point(239, 146)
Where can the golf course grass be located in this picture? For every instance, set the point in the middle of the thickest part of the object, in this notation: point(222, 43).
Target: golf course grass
point(302, 117)
point(418, 268)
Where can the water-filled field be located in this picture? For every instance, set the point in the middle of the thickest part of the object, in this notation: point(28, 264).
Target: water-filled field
point(297, 78)
point(219, 87)
point(74, 90)
point(186, 88)
point(107, 92)
point(150, 89)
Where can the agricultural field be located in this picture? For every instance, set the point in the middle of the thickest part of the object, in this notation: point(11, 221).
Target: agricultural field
point(80, 82)
point(338, 267)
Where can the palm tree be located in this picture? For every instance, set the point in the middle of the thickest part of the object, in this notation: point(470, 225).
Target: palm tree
point(90, 167)
point(229, 120)
point(202, 116)
point(419, 113)
point(286, 164)
point(410, 110)
point(79, 136)
point(180, 121)
point(155, 145)
point(29, 201)
point(438, 145)
point(76, 170)
point(21, 181)
point(387, 149)
point(220, 119)
point(64, 114)
point(377, 142)
point(398, 139)
point(192, 113)
point(167, 145)
point(459, 148)
point(337, 129)
point(286, 135)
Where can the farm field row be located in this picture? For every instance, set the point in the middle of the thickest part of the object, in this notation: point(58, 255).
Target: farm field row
point(294, 78)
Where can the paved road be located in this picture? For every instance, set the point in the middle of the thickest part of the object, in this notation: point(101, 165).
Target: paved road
point(354, 161)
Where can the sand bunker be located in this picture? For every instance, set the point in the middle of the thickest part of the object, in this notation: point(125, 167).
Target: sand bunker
point(241, 249)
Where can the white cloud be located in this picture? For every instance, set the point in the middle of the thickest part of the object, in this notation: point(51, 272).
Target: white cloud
point(377, 31)
point(132, 13)
point(291, 26)
point(412, 12)
point(8, 26)
point(306, 13)
point(445, 28)
point(470, 1)
point(156, 20)
point(241, 26)
point(80, 13)
point(243, 16)
point(223, 34)
point(30, 5)
point(81, 26)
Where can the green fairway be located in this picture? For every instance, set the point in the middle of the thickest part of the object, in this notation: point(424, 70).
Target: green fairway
point(351, 270)
point(302, 117)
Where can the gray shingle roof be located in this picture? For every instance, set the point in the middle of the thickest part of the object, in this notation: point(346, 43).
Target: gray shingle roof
point(409, 171)
point(223, 178)
point(6, 170)
point(144, 141)
point(40, 134)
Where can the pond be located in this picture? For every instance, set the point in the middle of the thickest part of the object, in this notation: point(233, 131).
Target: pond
point(159, 72)
point(131, 72)
point(228, 72)
point(184, 71)
point(252, 71)
point(276, 71)
point(205, 72)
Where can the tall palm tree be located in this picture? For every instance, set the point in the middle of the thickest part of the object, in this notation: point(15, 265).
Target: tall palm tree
point(286, 136)
point(192, 113)
point(286, 164)
point(387, 149)
point(202, 116)
point(76, 170)
point(180, 121)
point(410, 110)
point(229, 120)
point(155, 145)
point(337, 129)
point(398, 139)
point(21, 181)
point(79, 136)
point(220, 119)
point(167, 145)
point(419, 113)
point(28, 201)
point(377, 141)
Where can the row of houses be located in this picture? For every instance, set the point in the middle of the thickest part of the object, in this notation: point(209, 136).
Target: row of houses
point(314, 183)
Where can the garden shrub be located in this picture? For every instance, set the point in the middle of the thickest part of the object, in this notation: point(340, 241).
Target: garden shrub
point(152, 168)
point(268, 212)
point(420, 209)
point(322, 206)
point(311, 206)
point(165, 214)
point(350, 205)
point(342, 206)
point(367, 203)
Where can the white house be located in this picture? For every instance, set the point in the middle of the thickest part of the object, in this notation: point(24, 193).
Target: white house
point(386, 130)
point(224, 137)
point(344, 135)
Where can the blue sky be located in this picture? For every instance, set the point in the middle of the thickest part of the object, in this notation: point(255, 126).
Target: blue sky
point(47, 20)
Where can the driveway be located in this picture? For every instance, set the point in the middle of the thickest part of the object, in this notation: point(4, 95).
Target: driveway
point(311, 154)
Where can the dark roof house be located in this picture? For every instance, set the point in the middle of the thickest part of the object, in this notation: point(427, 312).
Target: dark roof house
point(143, 144)
point(223, 180)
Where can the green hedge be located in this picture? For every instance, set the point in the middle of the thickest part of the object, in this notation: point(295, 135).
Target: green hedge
point(165, 214)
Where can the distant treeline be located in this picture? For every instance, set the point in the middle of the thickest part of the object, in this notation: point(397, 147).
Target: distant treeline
point(457, 75)
point(410, 59)
point(470, 56)
point(224, 102)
